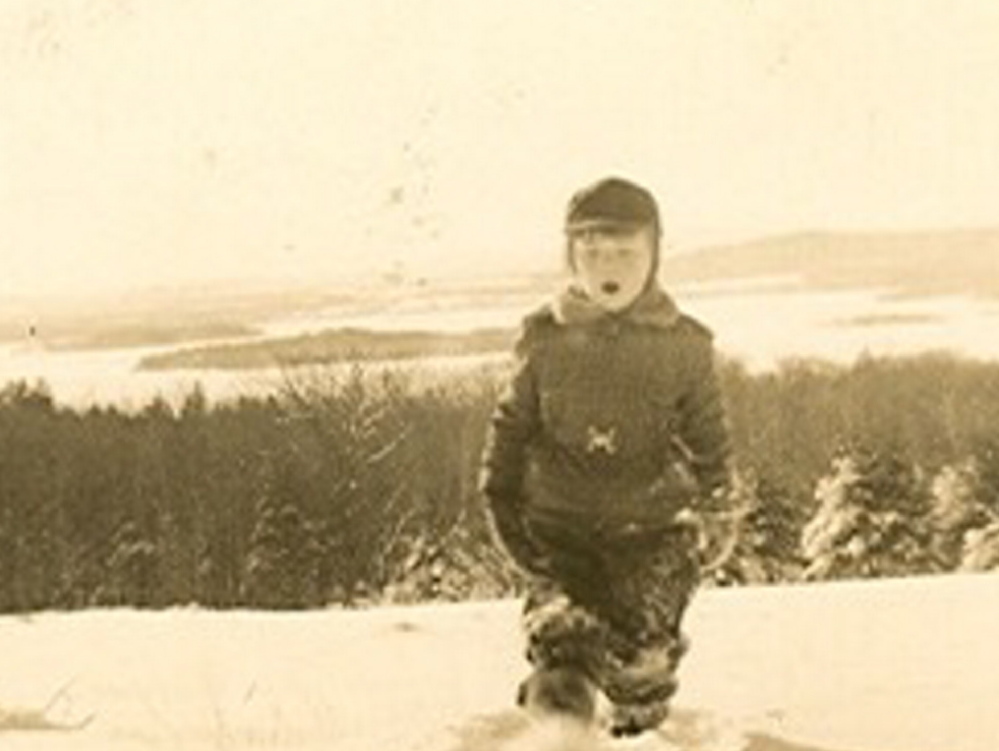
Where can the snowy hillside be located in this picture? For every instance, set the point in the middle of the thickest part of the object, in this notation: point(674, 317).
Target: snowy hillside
point(906, 665)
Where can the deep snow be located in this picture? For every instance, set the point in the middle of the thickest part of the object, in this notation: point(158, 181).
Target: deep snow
point(906, 665)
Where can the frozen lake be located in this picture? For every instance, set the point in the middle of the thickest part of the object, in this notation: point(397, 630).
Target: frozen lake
point(760, 325)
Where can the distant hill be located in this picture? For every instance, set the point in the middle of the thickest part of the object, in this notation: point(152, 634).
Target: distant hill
point(915, 263)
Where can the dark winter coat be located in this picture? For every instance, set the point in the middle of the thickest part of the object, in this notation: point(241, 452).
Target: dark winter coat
point(610, 422)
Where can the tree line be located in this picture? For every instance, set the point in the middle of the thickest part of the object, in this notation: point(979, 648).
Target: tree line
point(358, 485)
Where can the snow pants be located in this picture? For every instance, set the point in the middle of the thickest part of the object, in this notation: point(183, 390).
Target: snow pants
point(613, 608)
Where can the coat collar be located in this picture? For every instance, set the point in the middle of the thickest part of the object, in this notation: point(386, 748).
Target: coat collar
point(654, 307)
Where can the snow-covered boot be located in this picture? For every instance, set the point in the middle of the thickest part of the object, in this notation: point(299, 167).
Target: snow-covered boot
point(561, 692)
point(641, 689)
point(634, 719)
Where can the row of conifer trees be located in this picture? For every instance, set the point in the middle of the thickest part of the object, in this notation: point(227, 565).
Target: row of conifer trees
point(357, 485)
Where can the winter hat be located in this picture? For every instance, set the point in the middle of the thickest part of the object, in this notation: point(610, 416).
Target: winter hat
point(612, 202)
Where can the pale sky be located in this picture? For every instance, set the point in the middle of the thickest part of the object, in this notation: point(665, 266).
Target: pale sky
point(165, 141)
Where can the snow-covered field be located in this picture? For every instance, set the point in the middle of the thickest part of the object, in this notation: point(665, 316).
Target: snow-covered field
point(908, 665)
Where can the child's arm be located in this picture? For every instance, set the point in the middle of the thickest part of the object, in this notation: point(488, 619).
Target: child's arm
point(703, 429)
point(512, 427)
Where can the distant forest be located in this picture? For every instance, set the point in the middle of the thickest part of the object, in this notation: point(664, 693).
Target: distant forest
point(334, 346)
point(358, 486)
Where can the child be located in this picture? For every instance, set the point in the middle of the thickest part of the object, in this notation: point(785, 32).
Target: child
point(610, 435)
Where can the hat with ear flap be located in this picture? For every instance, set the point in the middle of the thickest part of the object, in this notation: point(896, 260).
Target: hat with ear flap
point(612, 203)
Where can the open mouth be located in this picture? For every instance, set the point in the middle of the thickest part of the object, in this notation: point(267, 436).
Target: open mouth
point(610, 288)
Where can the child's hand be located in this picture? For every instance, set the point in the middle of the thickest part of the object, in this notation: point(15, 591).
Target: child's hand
point(717, 535)
point(509, 527)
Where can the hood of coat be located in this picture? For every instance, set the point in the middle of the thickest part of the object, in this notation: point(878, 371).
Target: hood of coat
point(653, 307)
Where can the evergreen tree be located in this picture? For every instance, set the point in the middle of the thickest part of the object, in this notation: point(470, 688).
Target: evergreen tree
point(980, 543)
point(959, 505)
point(33, 520)
point(133, 570)
point(767, 529)
point(871, 519)
point(980, 551)
point(283, 560)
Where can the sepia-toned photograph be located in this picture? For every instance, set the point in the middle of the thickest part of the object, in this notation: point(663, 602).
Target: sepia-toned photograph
point(508, 375)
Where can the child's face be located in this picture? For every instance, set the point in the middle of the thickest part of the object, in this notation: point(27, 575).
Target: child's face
point(612, 264)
